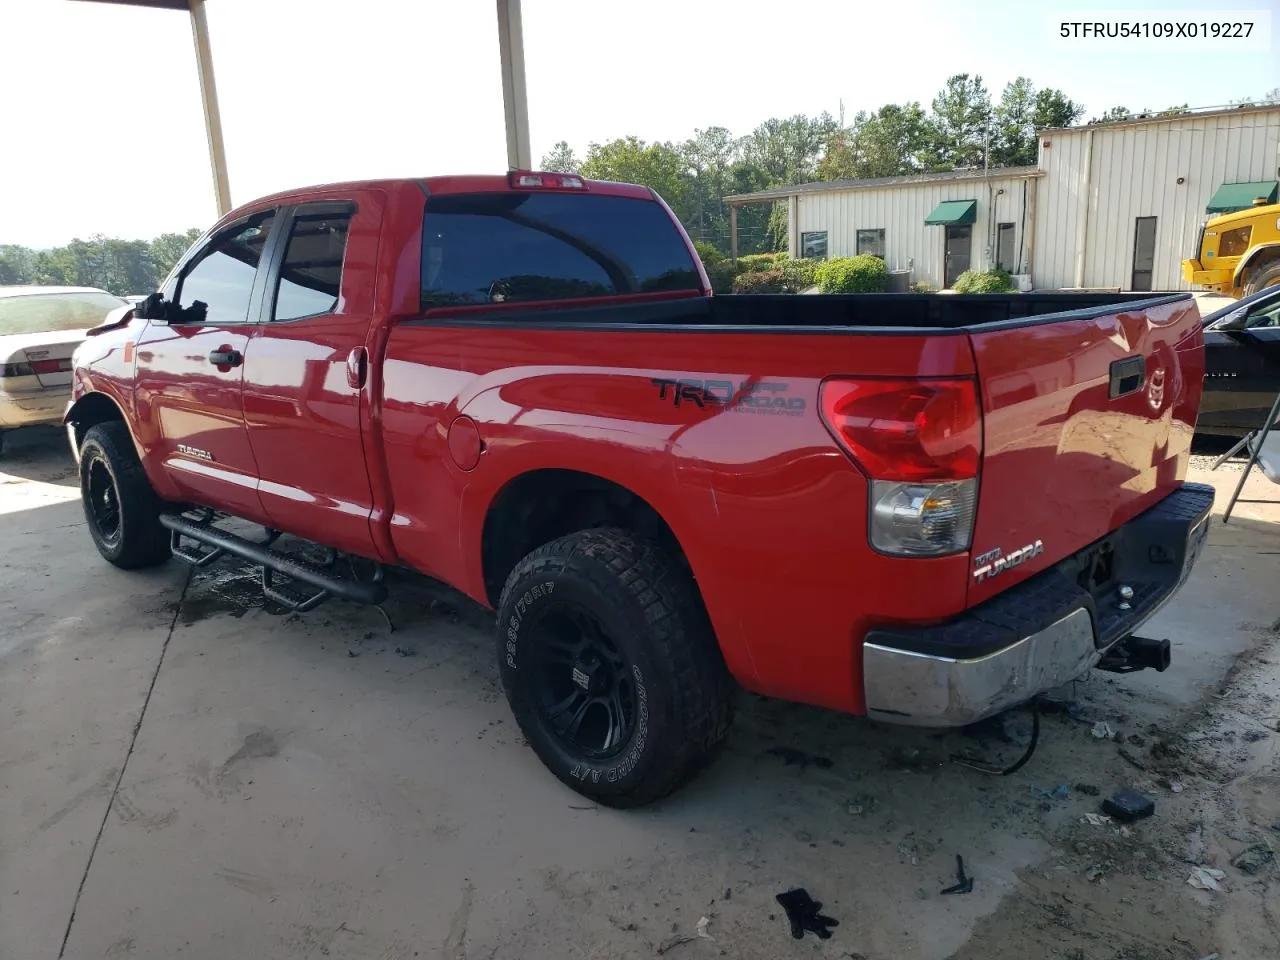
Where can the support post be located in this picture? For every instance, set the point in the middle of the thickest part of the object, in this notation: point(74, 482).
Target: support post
point(209, 98)
point(514, 98)
point(733, 232)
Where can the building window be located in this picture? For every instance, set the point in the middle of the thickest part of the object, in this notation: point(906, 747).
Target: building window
point(814, 245)
point(871, 243)
point(1006, 253)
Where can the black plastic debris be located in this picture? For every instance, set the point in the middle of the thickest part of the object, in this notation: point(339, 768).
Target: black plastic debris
point(802, 911)
point(1253, 860)
point(964, 882)
point(1088, 789)
point(798, 758)
point(1128, 806)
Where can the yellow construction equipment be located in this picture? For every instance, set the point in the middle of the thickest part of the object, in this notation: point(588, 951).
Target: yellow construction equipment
point(1238, 253)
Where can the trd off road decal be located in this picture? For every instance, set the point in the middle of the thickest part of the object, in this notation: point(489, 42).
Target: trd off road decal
point(749, 396)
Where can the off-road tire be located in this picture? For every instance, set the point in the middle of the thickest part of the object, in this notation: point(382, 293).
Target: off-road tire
point(646, 605)
point(1260, 279)
point(138, 540)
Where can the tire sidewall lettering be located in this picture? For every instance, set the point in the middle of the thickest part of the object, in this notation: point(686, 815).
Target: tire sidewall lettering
point(517, 617)
point(616, 769)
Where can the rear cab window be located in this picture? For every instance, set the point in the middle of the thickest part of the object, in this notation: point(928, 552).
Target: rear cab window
point(527, 247)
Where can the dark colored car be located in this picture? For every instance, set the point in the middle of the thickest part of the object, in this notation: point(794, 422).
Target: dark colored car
point(1242, 365)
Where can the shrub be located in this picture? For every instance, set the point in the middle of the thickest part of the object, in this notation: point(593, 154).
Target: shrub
point(923, 286)
point(760, 281)
point(754, 262)
point(708, 252)
point(721, 274)
point(977, 281)
point(800, 274)
point(853, 275)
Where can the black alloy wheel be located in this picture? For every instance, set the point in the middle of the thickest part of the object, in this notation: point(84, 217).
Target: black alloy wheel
point(585, 692)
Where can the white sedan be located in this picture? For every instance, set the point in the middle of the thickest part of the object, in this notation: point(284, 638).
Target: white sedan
point(40, 327)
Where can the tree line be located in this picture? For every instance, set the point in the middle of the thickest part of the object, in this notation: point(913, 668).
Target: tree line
point(963, 127)
point(109, 263)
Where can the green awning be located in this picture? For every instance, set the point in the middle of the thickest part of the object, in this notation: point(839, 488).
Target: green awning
point(954, 212)
point(1240, 196)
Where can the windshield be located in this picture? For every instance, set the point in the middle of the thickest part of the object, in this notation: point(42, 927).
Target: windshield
point(44, 312)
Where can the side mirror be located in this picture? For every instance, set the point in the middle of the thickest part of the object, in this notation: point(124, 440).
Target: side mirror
point(156, 307)
point(1237, 319)
point(151, 307)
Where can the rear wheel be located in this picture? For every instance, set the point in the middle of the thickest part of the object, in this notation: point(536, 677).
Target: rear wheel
point(611, 668)
point(121, 509)
point(1261, 279)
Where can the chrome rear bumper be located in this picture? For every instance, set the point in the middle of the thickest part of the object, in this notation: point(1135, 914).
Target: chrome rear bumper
point(1060, 640)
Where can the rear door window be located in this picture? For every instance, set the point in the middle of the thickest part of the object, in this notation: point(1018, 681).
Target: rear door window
point(522, 247)
point(311, 273)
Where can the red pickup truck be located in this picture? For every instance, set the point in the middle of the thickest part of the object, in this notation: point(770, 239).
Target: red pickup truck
point(923, 509)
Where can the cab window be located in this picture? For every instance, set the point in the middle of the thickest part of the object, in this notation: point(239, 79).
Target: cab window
point(222, 274)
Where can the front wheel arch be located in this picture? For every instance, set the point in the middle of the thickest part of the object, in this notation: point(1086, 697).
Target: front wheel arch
point(87, 412)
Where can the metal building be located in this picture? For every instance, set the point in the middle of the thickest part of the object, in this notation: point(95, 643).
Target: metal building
point(1123, 203)
point(1109, 206)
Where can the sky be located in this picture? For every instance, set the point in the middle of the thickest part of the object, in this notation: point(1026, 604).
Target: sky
point(104, 131)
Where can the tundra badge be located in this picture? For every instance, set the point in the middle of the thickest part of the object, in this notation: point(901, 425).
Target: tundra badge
point(196, 452)
point(995, 561)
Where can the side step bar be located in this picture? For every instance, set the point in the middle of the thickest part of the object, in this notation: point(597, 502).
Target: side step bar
point(221, 542)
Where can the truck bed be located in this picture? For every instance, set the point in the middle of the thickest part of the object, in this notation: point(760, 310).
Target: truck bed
point(917, 312)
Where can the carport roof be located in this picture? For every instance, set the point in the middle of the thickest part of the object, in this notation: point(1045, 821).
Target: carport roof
point(162, 4)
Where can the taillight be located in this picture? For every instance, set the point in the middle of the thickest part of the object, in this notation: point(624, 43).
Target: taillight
point(920, 443)
point(51, 366)
point(544, 181)
point(16, 370)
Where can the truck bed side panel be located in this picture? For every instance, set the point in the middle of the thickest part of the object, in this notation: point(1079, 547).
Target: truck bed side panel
point(770, 512)
point(1065, 460)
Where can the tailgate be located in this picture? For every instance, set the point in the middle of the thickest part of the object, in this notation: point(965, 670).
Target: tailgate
point(1087, 421)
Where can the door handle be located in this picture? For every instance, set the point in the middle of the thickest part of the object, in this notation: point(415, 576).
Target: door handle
point(1127, 376)
point(357, 367)
point(226, 357)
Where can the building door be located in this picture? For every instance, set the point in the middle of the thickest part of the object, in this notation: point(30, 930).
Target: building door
point(1006, 254)
point(957, 249)
point(1144, 252)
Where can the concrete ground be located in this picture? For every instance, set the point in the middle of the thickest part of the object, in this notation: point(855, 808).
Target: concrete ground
point(185, 773)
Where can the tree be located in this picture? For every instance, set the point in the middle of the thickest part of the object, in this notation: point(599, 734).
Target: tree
point(1054, 109)
point(561, 159)
point(1113, 115)
point(888, 143)
point(1013, 133)
point(168, 248)
point(961, 115)
point(709, 156)
point(17, 264)
point(120, 266)
point(788, 150)
point(1022, 112)
point(631, 160)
